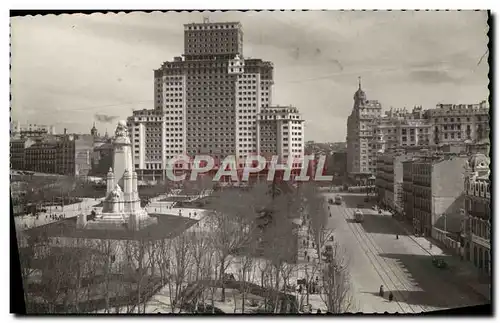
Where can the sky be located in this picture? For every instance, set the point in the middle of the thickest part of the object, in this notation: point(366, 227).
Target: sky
point(72, 70)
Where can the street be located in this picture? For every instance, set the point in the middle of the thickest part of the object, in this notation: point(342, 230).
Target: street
point(401, 265)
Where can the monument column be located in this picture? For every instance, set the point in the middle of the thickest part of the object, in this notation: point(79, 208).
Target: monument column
point(122, 156)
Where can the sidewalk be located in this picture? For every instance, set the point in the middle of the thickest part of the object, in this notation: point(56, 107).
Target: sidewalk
point(302, 264)
point(463, 271)
point(29, 221)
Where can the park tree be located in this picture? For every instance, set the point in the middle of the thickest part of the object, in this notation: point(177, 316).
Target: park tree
point(336, 287)
point(107, 249)
point(179, 266)
point(232, 224)
point(316, 216)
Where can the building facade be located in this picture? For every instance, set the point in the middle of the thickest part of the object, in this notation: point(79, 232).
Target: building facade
point(400, 128)
point(438, 193)
point(61, 154)
point(477, 209)
point(207, 101)
point(455, 123)
point(17, 152)
point(280, 131)
point(389, 180)
point(41, 157)
point(339, 165)
point(361, 155)
point(407, 188)
point(31, 130)
point(74, 155)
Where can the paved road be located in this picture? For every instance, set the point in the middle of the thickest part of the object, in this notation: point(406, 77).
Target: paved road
point(404, 267)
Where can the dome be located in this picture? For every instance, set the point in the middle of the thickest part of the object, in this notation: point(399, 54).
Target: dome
point(479, 161)
point(360, 95)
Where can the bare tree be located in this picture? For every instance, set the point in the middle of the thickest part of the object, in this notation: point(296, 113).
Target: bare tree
point(232, 225)
point(245, 273)
point(181, 261)
point(312, 270)
point(336, 291)
point(108, 250)
point(201, 245)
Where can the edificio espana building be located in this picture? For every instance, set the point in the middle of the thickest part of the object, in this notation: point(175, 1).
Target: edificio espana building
point(210, 101)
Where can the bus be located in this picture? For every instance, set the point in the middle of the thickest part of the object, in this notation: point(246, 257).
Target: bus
point(338, 200)
point(358, 216)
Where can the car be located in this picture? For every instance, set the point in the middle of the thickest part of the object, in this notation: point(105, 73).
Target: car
point(439, 263)
point(330, 201)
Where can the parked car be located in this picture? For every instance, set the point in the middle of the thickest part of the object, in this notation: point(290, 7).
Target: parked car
point(439, 263)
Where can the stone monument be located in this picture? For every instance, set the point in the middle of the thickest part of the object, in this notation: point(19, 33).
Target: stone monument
point(122, 205)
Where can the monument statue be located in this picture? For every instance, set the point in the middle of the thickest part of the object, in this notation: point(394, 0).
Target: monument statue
point(121, 129)
point(122, 205)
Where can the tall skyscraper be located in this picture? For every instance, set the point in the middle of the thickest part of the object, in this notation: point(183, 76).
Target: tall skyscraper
point(206, 102)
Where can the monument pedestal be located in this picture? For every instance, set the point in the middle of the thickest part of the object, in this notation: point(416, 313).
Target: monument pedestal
point(122, 205)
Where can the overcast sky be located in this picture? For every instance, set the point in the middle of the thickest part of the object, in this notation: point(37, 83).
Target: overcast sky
point(66, 69)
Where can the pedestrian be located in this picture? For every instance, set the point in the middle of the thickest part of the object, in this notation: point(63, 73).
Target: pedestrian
point(391, 297)
point(397, 237)
point(430, 245)
point(305, 253)
point(308, 258)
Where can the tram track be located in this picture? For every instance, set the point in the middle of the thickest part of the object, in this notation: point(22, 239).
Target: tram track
point(382, 267)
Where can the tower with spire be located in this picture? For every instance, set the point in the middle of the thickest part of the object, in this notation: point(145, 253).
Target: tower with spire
point(359, 95)
point(361, 153)
point(93, 131)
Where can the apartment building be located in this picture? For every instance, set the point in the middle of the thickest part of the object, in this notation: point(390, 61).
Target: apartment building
point(280, 131)
point(41, 157)
point(438, 193)
point(407, 188)
point(477, 212)
point(389, 179)
point(452, 123)
point(30, 130)
point(74, 155)
point(17, 152)
point(69, 154)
